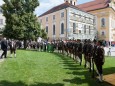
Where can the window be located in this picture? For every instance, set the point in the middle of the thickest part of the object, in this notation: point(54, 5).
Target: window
point(46, 29)
point(84, 28)
point(62, 14)
point(53, 17)
point(89, 31)
point(74, 3)
point(46, 19)
point(1, 21)
point(53, 29)
point(79, 31)
point(103, 22)
point(62, 28)
point(74, 27)
point(71, 2)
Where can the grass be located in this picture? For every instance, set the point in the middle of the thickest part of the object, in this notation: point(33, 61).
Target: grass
point(32, 68)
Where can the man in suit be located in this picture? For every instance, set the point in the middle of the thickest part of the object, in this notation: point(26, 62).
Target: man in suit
point(4, 48)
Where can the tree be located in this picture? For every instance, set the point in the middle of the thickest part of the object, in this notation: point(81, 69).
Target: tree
point(21, 23)
point(43, 34)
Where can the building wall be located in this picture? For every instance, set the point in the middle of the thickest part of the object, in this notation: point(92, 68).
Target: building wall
point(83, 21)
point(103, 13)
point(71, 16)
point(57, 22)
point(2, 20)
point(112, 25)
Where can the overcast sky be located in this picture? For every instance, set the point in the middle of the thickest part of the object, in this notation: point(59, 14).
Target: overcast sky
point(48, 4)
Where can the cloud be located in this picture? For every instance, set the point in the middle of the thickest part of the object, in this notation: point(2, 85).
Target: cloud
point(46, 5)
point(1, 2)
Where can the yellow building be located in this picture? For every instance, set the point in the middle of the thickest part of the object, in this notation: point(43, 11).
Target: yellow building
point(68, 21)
point(104, 10)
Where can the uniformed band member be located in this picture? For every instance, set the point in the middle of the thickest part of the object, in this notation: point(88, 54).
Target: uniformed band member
point(80, 47)
point(4, 47)
point(12, 45)
point(99, 59)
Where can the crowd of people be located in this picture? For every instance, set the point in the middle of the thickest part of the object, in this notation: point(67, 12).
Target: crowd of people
point(92, 51)
point(8, 45)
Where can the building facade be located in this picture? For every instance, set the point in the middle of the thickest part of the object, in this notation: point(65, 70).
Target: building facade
point(2, 21)
point(104, 10)
point(66, 21)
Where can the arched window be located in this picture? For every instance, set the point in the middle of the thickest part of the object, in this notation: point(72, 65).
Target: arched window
point(53, 29)
point(103, 22)
point(62, 28)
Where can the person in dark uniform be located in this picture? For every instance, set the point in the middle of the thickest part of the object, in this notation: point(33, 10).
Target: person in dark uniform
point(84, 51)
point(4, 48)
point(80, 48)
point(89, 54)
point(94, 55)
point(99, 60)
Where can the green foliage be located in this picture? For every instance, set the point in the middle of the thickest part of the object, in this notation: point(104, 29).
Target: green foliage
point(21, 23)
point(43, 34)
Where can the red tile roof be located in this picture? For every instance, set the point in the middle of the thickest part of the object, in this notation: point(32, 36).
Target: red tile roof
point(94, 5)
point(59, 7)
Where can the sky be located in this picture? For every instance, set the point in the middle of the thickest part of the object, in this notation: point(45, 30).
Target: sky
point(48, 4)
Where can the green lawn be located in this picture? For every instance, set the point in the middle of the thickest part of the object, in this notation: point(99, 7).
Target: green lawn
point(32, 68)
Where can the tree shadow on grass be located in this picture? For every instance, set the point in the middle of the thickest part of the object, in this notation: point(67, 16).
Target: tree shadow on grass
point(82, 76)
point(20, 83)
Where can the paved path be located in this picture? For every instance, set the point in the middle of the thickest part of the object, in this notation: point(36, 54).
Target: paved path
point(112, 51)
point(1, 60)
point(110, 79)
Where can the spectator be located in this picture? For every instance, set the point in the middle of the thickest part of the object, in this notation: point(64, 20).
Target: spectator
point(4, 46)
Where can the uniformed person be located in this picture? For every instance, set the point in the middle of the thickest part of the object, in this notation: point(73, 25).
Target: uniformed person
point(94, 55)
point(89, 54)
point(84, 51)
point(80, 50)
point(99, 60)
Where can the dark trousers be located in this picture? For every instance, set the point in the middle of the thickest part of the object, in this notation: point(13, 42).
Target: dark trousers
point(4, 53)
point(99, 68)
point(13, 51)
point(80, 57)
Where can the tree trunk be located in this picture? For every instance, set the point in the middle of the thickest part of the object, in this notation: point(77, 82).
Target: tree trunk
point(25, 43)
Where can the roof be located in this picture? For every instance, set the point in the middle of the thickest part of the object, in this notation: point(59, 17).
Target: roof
point(94, 5)
point(59, 7)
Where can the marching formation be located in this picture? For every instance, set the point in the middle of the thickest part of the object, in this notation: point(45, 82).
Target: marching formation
point(92, 51)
